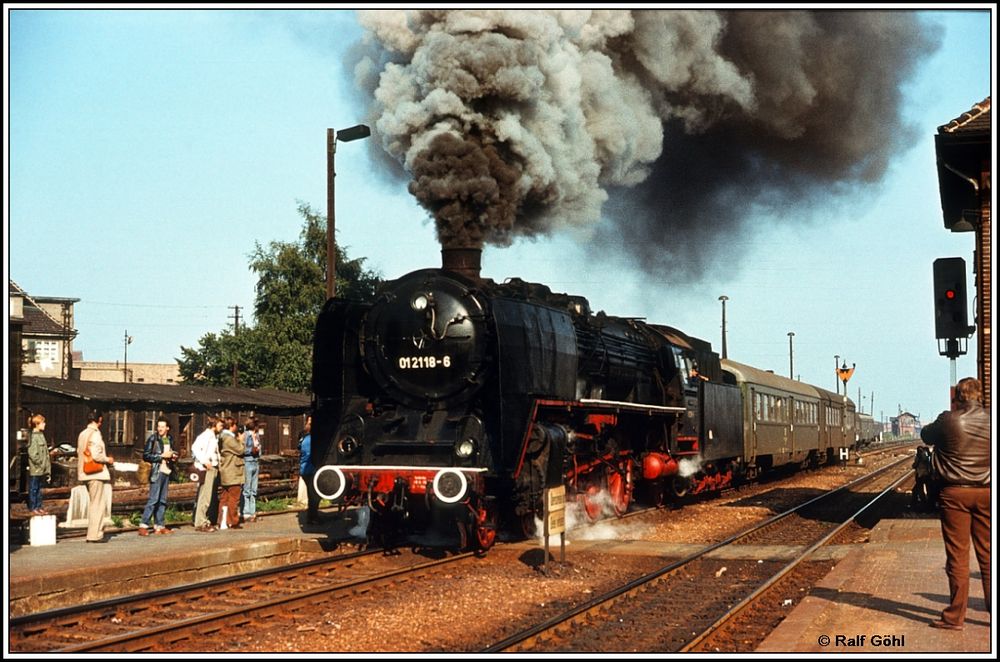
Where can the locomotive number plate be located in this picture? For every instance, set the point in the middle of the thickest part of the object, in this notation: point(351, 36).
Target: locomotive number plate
point(423, 362)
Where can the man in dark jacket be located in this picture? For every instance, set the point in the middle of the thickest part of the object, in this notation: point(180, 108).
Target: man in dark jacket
point(961, 440)
point(160, 452)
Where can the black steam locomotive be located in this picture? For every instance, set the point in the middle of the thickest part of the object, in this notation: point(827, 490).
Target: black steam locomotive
point(454, 400)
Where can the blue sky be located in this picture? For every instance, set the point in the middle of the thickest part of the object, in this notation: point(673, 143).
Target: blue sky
point(149, 150)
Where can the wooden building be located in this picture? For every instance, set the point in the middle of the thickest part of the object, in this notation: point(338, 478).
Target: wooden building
point(130, 412)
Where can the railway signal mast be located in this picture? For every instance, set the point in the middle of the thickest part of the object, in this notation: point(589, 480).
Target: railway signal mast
point(951, 315)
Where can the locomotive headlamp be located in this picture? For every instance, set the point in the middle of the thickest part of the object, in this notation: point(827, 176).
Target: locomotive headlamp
point(347, 445)
point(465, 448)
point(330, 482)
point(450, 485)
point(421, 302)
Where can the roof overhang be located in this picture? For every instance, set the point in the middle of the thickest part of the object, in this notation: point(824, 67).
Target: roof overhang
point(180, 398)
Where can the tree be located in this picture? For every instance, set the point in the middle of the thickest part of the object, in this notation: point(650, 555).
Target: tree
point(290, 292)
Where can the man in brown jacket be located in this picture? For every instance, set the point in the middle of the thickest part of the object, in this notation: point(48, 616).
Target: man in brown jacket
point(961, 440)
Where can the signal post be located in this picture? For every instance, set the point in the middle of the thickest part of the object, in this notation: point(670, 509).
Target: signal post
point(951, 316)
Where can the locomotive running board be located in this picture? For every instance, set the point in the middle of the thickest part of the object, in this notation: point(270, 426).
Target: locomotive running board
point(615, 404)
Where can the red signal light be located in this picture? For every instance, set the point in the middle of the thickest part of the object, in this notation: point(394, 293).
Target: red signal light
point(949, 294)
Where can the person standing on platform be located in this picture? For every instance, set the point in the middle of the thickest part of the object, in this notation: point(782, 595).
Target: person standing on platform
point(251, 469)
point(39, 465)
point(206, 463)
point(90, 440)
point(961, 440)
point(230, 475)
point(307, 470)
point(159, 452)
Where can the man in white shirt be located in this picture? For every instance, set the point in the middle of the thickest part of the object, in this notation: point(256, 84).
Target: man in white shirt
point(205, 451)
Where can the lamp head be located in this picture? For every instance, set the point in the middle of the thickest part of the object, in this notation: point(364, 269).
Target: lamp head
point(355, 132)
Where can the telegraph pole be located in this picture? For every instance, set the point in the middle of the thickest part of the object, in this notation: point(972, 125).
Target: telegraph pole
point(236, 332)
point(236, 320)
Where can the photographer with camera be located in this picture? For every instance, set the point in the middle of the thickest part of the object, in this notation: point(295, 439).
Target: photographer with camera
point(160, 454)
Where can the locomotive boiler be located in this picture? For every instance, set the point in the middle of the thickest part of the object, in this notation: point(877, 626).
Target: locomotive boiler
point(454, 401)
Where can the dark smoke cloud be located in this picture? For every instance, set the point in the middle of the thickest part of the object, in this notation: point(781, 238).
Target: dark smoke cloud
point(522, 122)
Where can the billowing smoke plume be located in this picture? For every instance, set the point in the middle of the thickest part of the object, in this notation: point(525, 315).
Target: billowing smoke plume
point(520, 122)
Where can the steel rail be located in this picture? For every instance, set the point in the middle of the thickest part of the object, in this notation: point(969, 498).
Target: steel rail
point(281, 601)
point(794, 563)
point(138, 598)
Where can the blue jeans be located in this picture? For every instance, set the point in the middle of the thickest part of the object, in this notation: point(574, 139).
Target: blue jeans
point(157, 503)
point(35, 492)
point(251, 470)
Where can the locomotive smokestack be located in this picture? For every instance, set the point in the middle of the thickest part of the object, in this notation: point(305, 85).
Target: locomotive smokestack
point(463, 261)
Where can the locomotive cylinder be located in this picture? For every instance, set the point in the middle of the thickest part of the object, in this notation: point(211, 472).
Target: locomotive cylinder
point(658, 465)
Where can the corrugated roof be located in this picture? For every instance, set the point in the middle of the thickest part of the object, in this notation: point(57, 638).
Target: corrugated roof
point(975, 120)
point(171, 397)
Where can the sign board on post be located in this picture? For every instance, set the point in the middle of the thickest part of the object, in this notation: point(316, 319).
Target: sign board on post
point(554, 519)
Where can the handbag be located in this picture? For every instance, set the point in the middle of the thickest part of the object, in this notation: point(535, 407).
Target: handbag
point(91, 466)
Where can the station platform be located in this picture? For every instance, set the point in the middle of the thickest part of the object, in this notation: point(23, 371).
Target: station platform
point(879, 598)
point(73, 571)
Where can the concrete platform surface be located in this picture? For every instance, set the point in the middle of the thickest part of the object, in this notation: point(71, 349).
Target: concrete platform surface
point(881, 597)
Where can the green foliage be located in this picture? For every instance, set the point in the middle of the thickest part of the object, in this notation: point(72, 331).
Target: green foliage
point(174, 515)
point(273, 505)
point(291, 289)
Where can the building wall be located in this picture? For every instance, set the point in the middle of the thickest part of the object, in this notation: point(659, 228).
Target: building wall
point(114, 371)
point(984, 287)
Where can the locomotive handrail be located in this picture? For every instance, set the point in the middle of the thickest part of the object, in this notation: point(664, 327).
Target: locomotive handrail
point(632, 405)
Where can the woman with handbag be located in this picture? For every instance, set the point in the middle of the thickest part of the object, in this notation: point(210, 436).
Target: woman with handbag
point(92, 470)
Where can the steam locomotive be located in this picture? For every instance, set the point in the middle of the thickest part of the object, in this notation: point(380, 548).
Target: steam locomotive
point(454, 401)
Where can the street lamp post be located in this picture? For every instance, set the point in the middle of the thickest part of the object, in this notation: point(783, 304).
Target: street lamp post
point(724, 299)
point(128, 341)
point(791, 364)
point(332, 136)
point(836, 372)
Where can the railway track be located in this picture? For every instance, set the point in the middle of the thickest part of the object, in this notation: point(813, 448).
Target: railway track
point(679, 606)
point(175, 619)
point(161, 620)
